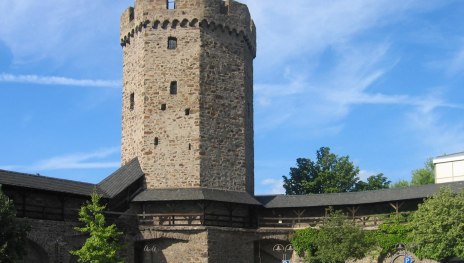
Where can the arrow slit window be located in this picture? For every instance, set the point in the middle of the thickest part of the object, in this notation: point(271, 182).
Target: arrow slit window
point(132, 101)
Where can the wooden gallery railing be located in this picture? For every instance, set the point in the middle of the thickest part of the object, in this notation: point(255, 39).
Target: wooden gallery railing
point(41, 212)
point(193, 219)
point(370, 221)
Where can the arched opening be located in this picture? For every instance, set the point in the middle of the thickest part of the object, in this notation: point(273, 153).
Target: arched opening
point(272, 251)
point(34, 253)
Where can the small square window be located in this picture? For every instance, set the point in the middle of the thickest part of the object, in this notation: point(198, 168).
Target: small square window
point(156, 142)
point(132, 101)
point(173, 88)
point(163, 107)
point(187, 112)
point(172, 43)
point(171, 4)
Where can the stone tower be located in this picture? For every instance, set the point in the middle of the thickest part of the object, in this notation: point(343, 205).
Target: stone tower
point(188, 93)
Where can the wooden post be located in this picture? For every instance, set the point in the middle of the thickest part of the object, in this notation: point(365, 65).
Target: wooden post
point(298, 213)
point(62, 200)
point(397, 205)
point(230, 208)
point(353, 210)
point(23, 196)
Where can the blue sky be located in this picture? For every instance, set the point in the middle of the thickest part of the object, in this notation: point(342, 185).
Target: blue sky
point(380, 81)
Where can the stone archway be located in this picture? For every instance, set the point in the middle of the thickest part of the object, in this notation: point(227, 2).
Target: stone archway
point(34, 253)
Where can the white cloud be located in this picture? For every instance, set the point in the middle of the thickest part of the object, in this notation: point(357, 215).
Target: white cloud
point(276, 186)
point(363, 174)
point(300, 28)
point(439, 137)
point(321, 102)
point(36, 30)
point(56, 80)
point(92, 160)
point(452, 64)
point(457, 62)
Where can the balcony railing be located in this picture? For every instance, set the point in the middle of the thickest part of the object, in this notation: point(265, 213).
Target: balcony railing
point(193, 219)
point(366, 221)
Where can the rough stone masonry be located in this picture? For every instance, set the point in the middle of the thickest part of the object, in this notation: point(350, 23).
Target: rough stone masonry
point(188, 93)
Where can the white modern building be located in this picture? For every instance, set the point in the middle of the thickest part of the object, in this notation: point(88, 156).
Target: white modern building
point(449, 168)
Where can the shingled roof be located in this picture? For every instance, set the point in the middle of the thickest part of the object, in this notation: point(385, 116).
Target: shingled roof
point(45, 183)
point(108, 188)
point(355, 198)
point(193, 194)
point(122, 178)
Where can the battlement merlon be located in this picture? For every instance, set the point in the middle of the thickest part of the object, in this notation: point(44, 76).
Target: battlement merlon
point(231, 14)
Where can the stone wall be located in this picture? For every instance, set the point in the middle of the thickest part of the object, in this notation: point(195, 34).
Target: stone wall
point(51, 241)
point(202, 136)
point(174, 244)
point(230, 245)
point(195, 245)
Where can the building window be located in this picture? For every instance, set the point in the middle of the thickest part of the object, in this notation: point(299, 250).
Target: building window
point(224, 8)
point(156, 142)
point(132, 101)
point(173, 88)
point(187, 112)
point(163, 107)
point(190, 146)
point(172, 43)
point(171, 4)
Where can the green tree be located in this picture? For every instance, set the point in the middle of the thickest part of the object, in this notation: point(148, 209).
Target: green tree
point(374, 182)
point(12, 232)
point(329, 174)
point(425, 175)
point(102, 245)
point(400, 184)
point(437, 227)
point(393, 231)
point(337, 240)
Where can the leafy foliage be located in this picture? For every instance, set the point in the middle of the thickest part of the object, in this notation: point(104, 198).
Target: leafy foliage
point(374, 182)
point(420, 176)
point(400, 184)
point(305, 240)
point(437, 227)
point(394, 231)
point(424, 175)
point(329, 174)
point(103, 244)
point(337, 240)
point(12, 232)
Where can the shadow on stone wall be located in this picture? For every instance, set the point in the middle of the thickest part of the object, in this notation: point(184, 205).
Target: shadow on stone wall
point(34, 253)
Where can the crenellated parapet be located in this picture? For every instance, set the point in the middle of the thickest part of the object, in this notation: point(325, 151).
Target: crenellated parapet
point(229, 17)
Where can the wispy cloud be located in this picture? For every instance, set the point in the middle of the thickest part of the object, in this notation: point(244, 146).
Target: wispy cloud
point(437, 136)
point(457, 62)
point(276, 186)
point(302, 27)
point(364, 174)
point(56, 80)
point(330, 98)
point(61, 29)
point(92, 160)
point(453, 63)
